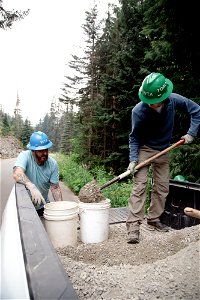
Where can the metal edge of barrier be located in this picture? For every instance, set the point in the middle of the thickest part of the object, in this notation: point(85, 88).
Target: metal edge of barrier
point(185, 184)
point(46, 276)
point(12, 286)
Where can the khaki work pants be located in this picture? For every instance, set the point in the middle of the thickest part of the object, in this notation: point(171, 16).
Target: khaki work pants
point(160, 189)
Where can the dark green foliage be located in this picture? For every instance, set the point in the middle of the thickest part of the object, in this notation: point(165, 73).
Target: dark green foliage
point(118, 82)
point(7, 18)
point(138, 38)
point(5, 124)
point(76, 175)
point(15, 126)
point(26, 132)
point(185, 161)
point(60, 126)
point(67, 131)
point(73, 174)
point(172, 29)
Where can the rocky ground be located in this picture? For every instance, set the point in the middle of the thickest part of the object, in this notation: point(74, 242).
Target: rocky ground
point(162, 266)
point(9, 147)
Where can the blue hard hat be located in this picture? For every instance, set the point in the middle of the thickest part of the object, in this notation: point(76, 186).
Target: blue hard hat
point(39, 141)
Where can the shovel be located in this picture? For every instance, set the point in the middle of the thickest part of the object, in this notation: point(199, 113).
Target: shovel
point(142, 164)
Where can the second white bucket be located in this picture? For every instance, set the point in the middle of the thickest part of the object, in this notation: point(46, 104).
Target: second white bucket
point(94, 221)
point(61, 220)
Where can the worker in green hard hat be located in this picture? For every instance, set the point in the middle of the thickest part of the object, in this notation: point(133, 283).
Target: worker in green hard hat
point(152, 127)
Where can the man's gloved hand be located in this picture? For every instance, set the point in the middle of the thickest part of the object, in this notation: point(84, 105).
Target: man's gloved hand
point(37, 197)
point(132, 166)
point(188, 138)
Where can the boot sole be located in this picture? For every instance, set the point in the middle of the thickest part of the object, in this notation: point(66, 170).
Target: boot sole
point(133, 241)
point(151, 227)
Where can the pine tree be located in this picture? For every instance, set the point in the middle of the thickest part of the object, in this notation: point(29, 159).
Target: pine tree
point(50, 124)
point(7, 18)
point(81, 89)
point(173, 49)
point(5, 123)
point(17, 121)
point(26, 132)
point(66, 126)
point(120, 60)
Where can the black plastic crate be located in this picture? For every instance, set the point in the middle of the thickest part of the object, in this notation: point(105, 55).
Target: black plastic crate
point(181, 195)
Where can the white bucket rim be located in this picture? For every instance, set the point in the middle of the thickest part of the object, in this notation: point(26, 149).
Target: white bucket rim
point(52, 213)
point(95, 205)
point(60, 217)
point(60, 205)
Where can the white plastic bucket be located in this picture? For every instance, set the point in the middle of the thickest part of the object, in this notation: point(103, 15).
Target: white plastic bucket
point(61, 220)
point(94, 221)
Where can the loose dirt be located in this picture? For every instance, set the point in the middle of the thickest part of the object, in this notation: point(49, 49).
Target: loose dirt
point(162, 266)
point(90, 193)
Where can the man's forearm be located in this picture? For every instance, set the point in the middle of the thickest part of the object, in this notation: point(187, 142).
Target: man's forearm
point(20, 176)
point(56, 192)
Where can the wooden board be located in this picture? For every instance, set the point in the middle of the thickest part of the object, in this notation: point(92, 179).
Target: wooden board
point(118, 215)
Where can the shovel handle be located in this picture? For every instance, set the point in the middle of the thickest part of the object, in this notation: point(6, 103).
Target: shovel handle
point(128, 172)
point(142, 164)
point(149, 160)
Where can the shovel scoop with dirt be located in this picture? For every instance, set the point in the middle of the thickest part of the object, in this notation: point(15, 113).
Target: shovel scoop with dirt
point(91, 193)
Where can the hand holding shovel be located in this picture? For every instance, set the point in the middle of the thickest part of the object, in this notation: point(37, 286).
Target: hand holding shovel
point(142, 164)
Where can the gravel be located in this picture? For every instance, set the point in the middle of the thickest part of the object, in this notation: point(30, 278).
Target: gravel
point(9, 147)
point(162, 266)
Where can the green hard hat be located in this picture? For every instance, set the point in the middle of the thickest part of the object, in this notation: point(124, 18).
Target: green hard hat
point(155, 88)
point(179, 178)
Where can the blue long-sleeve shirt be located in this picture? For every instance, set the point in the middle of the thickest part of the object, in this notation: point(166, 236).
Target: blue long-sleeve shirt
point(155, 129)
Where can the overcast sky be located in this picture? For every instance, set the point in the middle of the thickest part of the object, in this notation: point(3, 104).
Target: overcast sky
point(34, 53)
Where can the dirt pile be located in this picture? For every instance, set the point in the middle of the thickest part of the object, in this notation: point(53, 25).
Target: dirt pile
point(162, 266)
point(9, 147)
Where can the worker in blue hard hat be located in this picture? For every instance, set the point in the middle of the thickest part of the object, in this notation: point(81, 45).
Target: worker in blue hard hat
point(37, 171)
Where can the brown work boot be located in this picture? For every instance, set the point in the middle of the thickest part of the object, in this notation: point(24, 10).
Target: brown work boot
point(157, 225)
point(133, 237)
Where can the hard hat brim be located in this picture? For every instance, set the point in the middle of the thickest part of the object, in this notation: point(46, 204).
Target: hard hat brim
point(160, 99)
point(49, 145)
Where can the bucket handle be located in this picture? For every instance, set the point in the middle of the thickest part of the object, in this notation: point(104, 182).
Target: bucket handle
point(81, 212)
